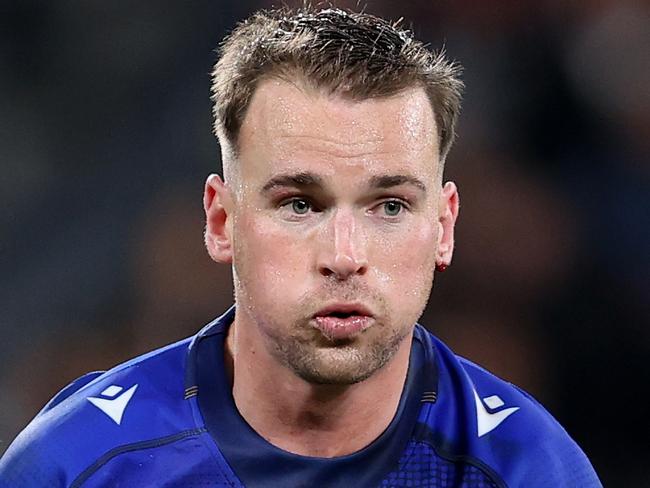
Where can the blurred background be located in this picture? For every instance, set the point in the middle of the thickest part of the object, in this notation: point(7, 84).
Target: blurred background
point(105, 143)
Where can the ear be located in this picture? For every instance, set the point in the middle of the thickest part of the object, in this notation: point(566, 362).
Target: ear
point(447, 215)
point(217, 203)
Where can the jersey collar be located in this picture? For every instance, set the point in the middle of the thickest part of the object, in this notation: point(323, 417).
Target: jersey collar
point(257, 462)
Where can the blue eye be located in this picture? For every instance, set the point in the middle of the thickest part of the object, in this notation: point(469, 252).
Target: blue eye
point(392, 208)
point(300, 206)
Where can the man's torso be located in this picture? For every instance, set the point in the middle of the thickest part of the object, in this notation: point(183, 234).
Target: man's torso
point(168, 419)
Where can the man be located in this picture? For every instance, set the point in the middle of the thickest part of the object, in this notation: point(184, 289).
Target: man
point(334, 128)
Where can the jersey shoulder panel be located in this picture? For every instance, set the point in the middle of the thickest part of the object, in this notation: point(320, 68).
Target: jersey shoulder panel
point(511, 425)
point(68, 390)
point(134, 403)
point(481, 417)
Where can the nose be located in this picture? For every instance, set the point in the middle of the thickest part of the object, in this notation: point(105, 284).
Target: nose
point(343, 247)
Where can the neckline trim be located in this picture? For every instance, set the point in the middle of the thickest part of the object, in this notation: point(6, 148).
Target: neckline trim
point(258, 462)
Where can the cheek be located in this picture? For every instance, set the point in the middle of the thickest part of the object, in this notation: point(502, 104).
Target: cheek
point(408, 259)
point(419, 242)
point(424, 244)
point(266, 258)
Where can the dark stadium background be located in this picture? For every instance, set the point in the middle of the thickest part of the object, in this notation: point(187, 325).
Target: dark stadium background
point(105, 142)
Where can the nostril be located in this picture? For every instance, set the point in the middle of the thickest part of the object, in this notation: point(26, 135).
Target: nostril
point(325, 271)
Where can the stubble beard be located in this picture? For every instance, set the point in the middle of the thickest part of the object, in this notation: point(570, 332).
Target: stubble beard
point(308, 354)
point(305, 351)
point(338, 364)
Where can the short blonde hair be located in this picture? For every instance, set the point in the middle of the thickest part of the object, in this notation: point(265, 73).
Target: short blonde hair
point(356, 55)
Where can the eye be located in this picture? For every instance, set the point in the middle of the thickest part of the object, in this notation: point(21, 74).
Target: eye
point(393, 208)
point(299, 206)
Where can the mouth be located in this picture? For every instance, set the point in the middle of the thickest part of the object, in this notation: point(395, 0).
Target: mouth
point(342, 321)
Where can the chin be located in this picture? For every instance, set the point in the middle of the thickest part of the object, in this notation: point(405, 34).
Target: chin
point(325, 376)
point(337, 365)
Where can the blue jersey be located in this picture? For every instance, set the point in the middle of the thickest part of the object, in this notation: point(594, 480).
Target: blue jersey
point(168, 418)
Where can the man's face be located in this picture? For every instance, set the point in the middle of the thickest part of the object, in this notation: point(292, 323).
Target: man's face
point(335, 226)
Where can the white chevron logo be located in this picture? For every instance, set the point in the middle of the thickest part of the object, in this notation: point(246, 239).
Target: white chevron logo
point(115, 405)
point(486, 421)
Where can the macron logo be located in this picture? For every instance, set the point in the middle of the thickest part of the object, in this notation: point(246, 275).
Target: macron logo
point(486, 421)
point(115, 404)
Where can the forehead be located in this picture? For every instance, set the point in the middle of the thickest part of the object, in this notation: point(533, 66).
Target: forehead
point(294, 124)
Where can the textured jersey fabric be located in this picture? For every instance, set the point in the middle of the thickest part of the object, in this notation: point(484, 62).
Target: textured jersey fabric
point(168, 419)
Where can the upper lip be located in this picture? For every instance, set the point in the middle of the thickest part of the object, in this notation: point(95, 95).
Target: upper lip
point(348, 308)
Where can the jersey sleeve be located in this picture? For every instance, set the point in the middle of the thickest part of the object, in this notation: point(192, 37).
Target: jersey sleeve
point(524, 444)
point(33, 460)
point(89, 424)
point(557, 458)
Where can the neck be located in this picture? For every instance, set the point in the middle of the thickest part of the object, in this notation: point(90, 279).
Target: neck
point(310, 419)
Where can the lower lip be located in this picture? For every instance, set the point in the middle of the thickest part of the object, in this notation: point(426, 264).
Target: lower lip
point(336, 328)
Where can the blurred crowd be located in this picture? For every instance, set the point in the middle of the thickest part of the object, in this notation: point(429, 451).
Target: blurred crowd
point(105, 142)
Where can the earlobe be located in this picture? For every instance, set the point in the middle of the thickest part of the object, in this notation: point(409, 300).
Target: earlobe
point(217, 203)
point(447, 215)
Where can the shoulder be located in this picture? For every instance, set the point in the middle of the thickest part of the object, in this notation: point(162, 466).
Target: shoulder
point(99, 413)
point(502, 427)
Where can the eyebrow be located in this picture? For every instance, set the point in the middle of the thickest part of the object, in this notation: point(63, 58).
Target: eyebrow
point(389, 181)
point(294, 179)
point(304, 179)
